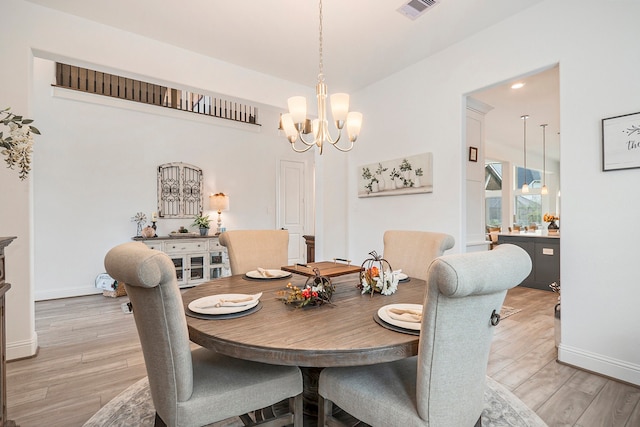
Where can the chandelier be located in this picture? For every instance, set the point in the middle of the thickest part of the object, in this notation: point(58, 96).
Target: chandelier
point(294, 122)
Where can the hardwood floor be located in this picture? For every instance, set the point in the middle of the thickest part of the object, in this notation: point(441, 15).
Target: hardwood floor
point(89, 352)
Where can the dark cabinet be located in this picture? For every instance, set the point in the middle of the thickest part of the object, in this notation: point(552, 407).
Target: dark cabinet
point(545, 258)
point(311, 248)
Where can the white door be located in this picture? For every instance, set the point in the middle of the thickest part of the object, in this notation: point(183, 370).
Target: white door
point(291, 206)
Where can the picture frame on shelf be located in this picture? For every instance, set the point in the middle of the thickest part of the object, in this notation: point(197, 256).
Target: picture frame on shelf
point(473, 154)
point(621, 142)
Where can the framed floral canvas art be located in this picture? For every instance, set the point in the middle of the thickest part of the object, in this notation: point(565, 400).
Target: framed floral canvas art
point(406, 175)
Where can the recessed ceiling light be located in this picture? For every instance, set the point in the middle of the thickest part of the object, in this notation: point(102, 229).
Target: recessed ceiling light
point(517, 85)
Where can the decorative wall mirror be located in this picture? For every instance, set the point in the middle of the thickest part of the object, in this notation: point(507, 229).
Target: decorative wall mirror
point(179, 190)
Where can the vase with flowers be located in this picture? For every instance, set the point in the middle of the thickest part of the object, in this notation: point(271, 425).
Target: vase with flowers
point(377, 276)
point(553, 227)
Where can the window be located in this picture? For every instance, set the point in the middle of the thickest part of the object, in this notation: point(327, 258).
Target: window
point(528, 207)
point(493, 194)
point(532, 177)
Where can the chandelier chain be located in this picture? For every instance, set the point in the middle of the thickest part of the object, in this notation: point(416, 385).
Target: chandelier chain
point(321, 64)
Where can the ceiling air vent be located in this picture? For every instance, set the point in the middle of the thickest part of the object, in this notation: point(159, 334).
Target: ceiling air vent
point(416, 8)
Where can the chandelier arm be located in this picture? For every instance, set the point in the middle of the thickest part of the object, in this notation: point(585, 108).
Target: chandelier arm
point(305, 142)
point(335, 143)
point(304, 150)
point(344, 150)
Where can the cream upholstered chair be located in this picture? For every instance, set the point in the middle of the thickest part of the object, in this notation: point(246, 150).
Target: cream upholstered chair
point(200, 387)
point(250, 249)
point(444, 385)
point(412, 251)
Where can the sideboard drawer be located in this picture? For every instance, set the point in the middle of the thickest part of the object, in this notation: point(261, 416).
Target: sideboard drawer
point(183, 247)
point(214, 245)
point(154, 245)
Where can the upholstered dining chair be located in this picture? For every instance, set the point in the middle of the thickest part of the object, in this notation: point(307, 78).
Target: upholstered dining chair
point(250, 249)
point(200, 387)
point(412, 251)
point(444, 385)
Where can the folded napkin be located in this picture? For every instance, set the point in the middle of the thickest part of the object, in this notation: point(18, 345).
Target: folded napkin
point(264, 272)
point(413, 316)
point(235, 302)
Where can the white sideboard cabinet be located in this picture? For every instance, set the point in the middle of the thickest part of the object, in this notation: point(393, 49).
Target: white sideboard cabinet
point(196, 259)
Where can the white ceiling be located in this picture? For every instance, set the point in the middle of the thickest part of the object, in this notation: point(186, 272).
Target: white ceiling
point(364, 40)
point(539, 98)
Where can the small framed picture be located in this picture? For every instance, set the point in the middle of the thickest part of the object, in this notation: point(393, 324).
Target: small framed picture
point(621, 142)
point(473, 154)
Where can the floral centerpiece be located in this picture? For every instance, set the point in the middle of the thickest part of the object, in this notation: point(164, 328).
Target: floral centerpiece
point(377, 276)
point(17, 147)
point(551, 219)
point(317, 290)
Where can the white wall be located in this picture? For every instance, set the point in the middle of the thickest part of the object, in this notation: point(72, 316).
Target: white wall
point(98, 165)
point(421, 109)
point(94, 165)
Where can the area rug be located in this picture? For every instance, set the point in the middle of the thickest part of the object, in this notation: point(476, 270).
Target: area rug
point(133, 407)
point(508, 311)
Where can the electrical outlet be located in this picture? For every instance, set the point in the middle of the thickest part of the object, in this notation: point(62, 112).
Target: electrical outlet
point(127, 308)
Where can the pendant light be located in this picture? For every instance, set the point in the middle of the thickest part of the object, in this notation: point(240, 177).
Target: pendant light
point(525, 186)
point(544, 189)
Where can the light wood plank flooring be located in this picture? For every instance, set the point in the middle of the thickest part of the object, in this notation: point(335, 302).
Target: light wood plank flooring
point(89, 352)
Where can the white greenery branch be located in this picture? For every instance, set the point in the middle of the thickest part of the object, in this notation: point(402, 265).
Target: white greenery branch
point(18, 146)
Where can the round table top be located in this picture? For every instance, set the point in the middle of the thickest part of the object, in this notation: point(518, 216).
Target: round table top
point(343, 333)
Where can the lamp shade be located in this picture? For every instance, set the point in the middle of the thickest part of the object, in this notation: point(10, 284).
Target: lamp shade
point(354, 123)
point(298, 108)
point(339, 106)
point(219, 202)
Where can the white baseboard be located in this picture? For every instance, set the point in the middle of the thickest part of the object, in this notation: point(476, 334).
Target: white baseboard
point(604, 365)
point(43, 295)
point(22, 349)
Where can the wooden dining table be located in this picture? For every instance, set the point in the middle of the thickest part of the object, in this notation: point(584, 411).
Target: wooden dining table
point(342, 333)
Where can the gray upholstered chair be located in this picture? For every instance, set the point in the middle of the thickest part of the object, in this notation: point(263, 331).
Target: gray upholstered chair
point(444, 385)
point(250, 249)
point(192, 388)
point(413, 251)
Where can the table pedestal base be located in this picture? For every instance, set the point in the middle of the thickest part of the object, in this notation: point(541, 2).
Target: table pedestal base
point(310, 390)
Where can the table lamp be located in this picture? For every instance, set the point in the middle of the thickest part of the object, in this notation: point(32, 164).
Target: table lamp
point(219, 202)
